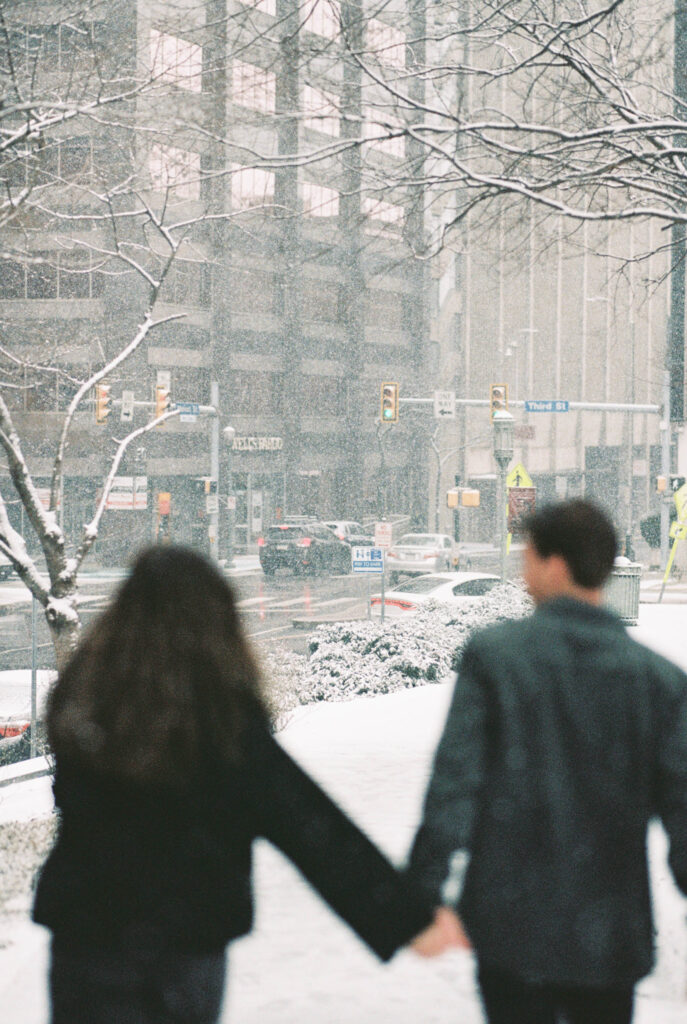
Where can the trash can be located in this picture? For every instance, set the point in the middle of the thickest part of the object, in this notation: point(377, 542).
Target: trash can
point(621, 593)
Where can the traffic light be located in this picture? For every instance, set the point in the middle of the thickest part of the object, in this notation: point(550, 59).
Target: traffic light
point(102, 402)
point(389, 409)
point(161, 400)
point(498, 398)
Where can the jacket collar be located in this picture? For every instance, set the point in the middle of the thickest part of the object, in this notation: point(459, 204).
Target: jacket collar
point(582, 611)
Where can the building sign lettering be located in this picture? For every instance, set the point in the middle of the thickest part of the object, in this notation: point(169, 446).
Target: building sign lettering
point(257, 444)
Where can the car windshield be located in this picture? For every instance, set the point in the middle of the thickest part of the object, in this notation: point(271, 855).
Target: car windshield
point(283, 533)
point(419, 540)
point(422, 585)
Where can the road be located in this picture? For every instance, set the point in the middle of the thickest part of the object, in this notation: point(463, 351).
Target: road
point(268, 607)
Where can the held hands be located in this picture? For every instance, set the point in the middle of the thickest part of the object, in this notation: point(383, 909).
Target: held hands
point(445, 932)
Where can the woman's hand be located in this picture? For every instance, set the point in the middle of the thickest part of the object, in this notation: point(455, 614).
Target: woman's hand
point(444, 933)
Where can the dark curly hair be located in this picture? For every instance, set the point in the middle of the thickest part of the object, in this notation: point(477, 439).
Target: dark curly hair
point(162, 680)
point(581, 533)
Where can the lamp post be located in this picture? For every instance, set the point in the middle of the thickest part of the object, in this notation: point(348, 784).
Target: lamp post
point(502, 425)
point(228, 434)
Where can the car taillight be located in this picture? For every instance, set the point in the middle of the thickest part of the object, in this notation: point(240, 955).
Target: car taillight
point(304, 543)
point(432, 554)
point(261, 542)
point(391, 554)
point(340, 536)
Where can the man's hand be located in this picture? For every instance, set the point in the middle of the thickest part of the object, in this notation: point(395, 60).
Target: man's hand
point(445, 932)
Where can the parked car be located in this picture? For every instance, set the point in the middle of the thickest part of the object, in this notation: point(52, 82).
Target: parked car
point(303, 547)
point(483, 557)
point(420, 553)
point(457, 588)
point(350, 532)
point(6, 568)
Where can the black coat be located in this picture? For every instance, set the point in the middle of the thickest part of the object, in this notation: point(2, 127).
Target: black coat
point(135, 865)
point(563, 739)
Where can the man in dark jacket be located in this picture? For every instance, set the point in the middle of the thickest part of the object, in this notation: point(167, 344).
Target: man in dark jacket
point(563, 739)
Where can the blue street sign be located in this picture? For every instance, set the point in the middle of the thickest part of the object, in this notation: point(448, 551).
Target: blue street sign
point(367, 559)
point(188, 411)
point(549, 405)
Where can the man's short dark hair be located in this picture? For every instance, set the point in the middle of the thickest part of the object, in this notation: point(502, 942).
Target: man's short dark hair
point(581, 533)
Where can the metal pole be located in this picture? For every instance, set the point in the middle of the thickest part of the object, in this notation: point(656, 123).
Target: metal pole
point(214, 467)
point(665, 469)
point(34, 659)
point(230, 497)
point(501, 515)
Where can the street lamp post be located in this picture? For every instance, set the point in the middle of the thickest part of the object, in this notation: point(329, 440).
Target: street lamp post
point(228, 434)
point(502, 423)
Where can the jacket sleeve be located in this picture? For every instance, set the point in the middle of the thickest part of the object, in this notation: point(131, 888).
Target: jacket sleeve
point(441, 850)
point(290, 810)
point(671, 780)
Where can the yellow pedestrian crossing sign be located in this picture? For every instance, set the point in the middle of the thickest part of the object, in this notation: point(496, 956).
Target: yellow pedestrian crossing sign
point(680, 497)
point(519, 477)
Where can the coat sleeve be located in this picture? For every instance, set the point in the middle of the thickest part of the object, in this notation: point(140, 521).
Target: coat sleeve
point(385, 908)
point(671, 780)
point(441, 850)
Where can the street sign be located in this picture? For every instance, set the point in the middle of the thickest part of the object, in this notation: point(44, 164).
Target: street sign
point(548, 405)
point(127, 411)
point(383, 535)
point(212, 504)
point(231, 502)
point(680, 498)
point(444, 405)
point(188, 411)
point(367, 560)
point(519, 477)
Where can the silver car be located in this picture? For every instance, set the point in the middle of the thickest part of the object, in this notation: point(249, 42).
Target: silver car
point(420, 553)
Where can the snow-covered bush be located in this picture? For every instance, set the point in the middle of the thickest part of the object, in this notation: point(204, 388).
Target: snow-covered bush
point(347, 659)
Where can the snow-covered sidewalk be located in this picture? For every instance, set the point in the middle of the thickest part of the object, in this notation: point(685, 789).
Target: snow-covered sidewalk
point(303, 966)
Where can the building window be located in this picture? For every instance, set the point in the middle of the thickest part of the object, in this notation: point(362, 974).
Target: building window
point(185, 284)
point(176, 60)
point(382, 212)
point(376, 126)
point(253, 87)
point(254, 393)
point(253, 292)
point(56, 48)
point(384, 309)
point(388, 44)
point(322, 17)
point(319, 201)
point(56, 276)
point(321, 301)
point(320, 111)
point(178, 169)
point(325, 395)
point(251, 187)
point(266, 6)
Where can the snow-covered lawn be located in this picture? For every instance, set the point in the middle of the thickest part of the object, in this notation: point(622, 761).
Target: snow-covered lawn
point(301, 965)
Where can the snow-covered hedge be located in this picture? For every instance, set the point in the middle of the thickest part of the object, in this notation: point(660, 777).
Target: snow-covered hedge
point(347, 659)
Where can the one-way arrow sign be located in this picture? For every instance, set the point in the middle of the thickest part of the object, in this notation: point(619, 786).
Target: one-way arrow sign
point(444, 405)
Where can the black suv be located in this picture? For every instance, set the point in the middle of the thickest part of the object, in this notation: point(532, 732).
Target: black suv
point(303, 547)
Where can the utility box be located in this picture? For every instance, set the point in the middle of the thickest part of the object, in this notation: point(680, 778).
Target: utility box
point(621, 593)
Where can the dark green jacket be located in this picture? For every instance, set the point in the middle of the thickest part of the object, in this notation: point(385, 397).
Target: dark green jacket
point(563, 739)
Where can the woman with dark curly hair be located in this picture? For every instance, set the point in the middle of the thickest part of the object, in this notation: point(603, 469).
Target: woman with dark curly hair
point(166, 771)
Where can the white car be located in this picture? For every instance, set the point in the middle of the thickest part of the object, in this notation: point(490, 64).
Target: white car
point(350, 532)
point(420, 553)
point(457, 588)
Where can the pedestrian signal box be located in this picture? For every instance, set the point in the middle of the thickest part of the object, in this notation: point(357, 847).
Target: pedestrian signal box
point(389, 402)
point(498, 398)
